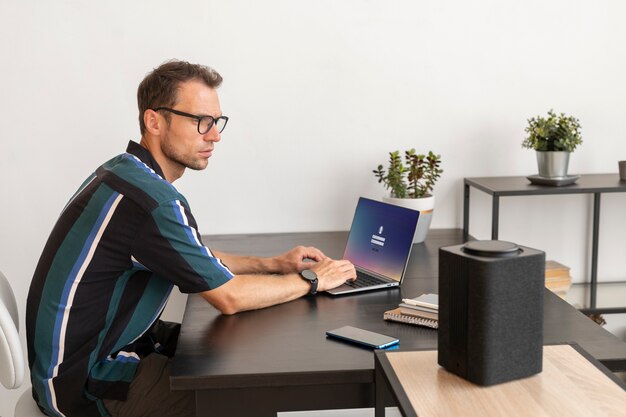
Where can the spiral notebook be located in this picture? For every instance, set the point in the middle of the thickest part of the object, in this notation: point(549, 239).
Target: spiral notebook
point(396, 315)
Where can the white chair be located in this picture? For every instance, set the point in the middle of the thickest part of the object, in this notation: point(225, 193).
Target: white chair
point(12, 362)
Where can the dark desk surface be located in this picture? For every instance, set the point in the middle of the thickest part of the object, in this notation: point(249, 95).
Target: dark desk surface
point(285, 347)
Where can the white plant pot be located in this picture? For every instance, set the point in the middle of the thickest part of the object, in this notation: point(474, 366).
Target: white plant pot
point(424, 205)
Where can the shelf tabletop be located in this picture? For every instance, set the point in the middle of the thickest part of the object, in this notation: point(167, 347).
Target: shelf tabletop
point(520, 185)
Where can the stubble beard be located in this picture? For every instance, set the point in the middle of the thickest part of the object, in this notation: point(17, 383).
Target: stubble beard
point(184, 161)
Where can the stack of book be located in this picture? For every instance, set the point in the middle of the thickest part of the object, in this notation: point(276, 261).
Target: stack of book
point(422, 310)
point(558, 279)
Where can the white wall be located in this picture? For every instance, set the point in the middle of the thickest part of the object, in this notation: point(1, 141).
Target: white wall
point(318, 92)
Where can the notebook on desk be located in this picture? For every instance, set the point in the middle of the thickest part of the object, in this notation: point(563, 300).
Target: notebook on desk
point(379, 245)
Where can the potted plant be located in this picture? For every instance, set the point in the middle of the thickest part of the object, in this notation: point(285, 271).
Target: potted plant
point(553, 138)
point(411, 183)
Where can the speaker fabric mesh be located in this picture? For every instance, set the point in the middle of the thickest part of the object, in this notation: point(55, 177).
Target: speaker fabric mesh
point(491, 314)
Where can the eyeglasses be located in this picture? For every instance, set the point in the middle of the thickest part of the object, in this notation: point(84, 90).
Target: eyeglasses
point(205, 123)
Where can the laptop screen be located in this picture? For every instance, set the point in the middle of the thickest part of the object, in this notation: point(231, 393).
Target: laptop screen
point(380, 238)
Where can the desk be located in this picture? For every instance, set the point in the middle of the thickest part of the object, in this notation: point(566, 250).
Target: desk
point(571, 384)
point(595, 184)
point(278, 359)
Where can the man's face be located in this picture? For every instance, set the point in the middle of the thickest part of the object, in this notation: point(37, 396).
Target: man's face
point(181, 143)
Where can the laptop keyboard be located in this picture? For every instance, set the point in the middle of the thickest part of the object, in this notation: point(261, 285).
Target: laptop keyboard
point(363, 280)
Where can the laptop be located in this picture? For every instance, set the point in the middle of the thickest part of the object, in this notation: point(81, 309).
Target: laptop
point(379, 245)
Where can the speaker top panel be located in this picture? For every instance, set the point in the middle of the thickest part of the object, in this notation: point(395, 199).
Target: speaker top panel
point(491, 248)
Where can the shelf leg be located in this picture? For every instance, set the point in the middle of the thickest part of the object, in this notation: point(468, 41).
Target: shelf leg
point(594, 250)
point(466, 208)
point(495, 217)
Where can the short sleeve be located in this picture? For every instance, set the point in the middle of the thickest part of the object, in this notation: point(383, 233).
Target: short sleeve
point(168, 244)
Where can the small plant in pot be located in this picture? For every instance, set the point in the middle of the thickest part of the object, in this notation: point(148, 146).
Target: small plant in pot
point(554, 138)
point(411, 181)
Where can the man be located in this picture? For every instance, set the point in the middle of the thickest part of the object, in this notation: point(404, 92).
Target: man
point(95, 344)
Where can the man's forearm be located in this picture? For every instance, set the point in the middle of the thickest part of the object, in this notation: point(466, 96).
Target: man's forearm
point(248, 291)
point(248, 264)
point(251, 292)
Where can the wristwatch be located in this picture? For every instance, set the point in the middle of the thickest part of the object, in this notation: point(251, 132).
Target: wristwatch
point(311, 277)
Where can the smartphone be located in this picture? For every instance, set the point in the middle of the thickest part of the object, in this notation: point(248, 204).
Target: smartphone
point(362, 337)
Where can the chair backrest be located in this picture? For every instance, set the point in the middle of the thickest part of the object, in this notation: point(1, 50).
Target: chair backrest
point(12, 363)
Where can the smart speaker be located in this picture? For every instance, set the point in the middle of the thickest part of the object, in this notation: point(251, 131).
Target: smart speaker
point(491, 311)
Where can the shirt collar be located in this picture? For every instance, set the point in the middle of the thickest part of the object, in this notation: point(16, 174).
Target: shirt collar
point(145, 156)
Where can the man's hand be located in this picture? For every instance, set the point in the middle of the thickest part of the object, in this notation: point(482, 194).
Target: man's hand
point(294, 260)
point(331, 273)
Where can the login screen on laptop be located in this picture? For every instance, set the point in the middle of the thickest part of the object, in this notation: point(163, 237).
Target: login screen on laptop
point(380, 237)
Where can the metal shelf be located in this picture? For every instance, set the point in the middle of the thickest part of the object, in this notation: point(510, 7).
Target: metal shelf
point(595, 184)
point(611, 295)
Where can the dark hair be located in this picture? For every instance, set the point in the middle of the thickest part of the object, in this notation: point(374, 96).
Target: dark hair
point(160, 87)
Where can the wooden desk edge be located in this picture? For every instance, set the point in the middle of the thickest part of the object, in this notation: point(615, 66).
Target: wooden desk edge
point(386, 381)
point(385, 378)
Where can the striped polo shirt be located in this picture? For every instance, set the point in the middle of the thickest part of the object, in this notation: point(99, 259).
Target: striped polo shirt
point(121, 243)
